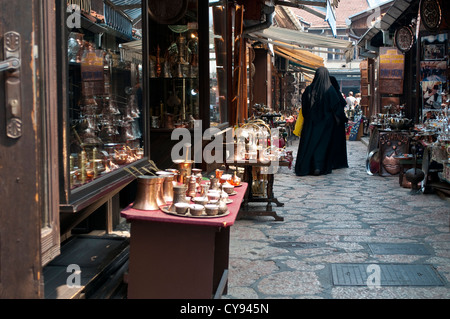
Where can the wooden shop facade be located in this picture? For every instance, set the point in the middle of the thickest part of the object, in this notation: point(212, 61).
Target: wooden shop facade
point(93, 90)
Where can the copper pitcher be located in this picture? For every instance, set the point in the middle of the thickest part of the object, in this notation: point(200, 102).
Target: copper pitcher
point(147, 193)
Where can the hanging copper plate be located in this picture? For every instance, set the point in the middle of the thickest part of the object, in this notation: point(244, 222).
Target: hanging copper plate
point(167, 11)
point(430, 14)
point(404, 38)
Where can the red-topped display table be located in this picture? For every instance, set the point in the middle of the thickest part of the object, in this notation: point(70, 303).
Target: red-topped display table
point(174, 257)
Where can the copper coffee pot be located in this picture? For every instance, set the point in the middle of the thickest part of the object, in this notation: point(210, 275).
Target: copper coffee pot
point(168, 188)
point(160, 191)
point(148, 188)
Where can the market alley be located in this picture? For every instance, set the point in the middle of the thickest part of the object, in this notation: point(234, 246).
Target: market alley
point(331, 221)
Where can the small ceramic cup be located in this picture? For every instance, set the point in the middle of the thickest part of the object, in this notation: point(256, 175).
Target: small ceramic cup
point(200, 200)
point(228, 188)
point(181, 208)
point(213, 195)
point(211, 210)
point(196, 209)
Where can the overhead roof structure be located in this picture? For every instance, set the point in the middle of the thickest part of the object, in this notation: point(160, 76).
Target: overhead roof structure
point(300, 40)
point(132, 8)
point(394, 12)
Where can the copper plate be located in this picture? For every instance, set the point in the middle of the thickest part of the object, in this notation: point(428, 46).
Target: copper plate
point(373, 162)
point(404, 38)
point(167, 11)
point(430, 14)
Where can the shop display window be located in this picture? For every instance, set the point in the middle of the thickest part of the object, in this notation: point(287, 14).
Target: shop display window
point(105, 114)
point(174, 65)
point(218, 63)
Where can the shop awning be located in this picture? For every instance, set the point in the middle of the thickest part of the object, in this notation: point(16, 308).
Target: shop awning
point(305, 60)
point(303, 40)
point(131, 51)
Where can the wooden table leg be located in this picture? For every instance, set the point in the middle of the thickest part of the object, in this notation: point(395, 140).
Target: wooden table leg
point(270, 194)
point(248, 175)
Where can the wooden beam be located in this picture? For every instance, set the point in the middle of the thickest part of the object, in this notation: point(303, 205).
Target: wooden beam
point(316, 3)
point(302, 7)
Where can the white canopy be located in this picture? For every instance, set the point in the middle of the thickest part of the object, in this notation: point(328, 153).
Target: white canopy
point(303, 40)
point(131, 51)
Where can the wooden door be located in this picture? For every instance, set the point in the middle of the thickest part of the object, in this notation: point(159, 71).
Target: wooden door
point(22, 156)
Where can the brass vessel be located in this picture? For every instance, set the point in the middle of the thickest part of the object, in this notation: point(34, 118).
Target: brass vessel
point(185, 168)
point(179, 196)
point(192, 186)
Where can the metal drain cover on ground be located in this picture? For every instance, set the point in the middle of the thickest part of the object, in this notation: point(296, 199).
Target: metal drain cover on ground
point(398, 249)
point(390, 275)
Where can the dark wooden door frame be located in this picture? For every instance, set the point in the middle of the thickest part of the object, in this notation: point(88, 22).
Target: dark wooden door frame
point(21, 163)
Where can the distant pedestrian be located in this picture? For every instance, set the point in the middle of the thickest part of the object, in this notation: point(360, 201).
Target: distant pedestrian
point(350, 101)
point(320, 104)
point(339, 139)
point(358, 100)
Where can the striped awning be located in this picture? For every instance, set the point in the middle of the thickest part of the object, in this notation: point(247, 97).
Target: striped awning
point(307, 61)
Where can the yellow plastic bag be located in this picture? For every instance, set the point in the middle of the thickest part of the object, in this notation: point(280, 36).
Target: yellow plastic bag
point(299, 124)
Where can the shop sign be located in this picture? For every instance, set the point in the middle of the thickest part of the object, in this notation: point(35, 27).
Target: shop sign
point(392, 64)
point(92, 72)
point(92, 65)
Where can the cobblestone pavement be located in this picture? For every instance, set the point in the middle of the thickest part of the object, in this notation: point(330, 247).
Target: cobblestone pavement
point(333, 219)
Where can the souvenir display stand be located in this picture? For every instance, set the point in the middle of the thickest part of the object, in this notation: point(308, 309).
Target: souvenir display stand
point(267, 196)
point(176, 257)
point(256, 151)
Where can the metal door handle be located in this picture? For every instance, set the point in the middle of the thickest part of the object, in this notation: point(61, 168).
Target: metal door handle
point(11, 66)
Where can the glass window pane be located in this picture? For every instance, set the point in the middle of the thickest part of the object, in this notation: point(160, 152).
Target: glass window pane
point(173, 68)
point(217, 66)
point(105, 93)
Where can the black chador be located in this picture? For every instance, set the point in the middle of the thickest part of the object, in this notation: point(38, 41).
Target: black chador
point(321, 107)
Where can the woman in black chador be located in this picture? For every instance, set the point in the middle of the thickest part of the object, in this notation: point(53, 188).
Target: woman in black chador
point(320, 106)
point(339, 140)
